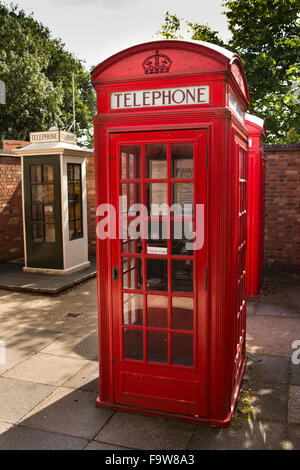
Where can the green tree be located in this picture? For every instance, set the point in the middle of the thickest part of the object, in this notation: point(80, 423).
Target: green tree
point(37, 70)
point(265, 33)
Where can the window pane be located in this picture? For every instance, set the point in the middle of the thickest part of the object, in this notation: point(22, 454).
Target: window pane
point(131, 162)
point(77, 175)
point(182, 160)
point(38, 233)
point(133, 309)
point(49, 214)
point(72, 230)
point(182, 349)
point(182, 233)
point(133, 344)
point(157, 243)
point(157, 275)
point(157, 199)
point(157, 346)
point(183, 195)
point(133, 193)
point(78, 226)
point(71, 212)
point(50, 233)
point(182, 313)
point(42, 193)
point(37, 213)
point(36, 173)
point(132, 273)
point(182, 275)
point(156, 158)
point(48, 173)
point(70, 172)
point(157, 311)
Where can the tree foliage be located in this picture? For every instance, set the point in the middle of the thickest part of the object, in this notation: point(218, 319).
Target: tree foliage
point(37, 70)
point(265, 33)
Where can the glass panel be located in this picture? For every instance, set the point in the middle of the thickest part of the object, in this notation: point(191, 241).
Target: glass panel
point(37, 213)
point(156, 158)
point(133, 344)
point(38, 233)
point(131, 162)
point(182, 313)
point(77, 175)
point(182, 349)
point(133, 192)
point(157, 243)
point(71, 195)
point(182, 160)
point(157, 346)
point(48, 173)
point(71, 212)
point(70, 172)
point(157, 199)
point(182, 233)
point(72, 230)
point(133, 309)
point(183, 194)
point(182, 275)
point(157, 274)
point(132, 273)
point(157, 311)
point(78, 226)
point(77, 191)
point(50, 233)
point(78, 210)
point(42, 193)
point(36, 173)
point(49, 214)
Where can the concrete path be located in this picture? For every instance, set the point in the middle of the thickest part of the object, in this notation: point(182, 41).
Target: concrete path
point(48, 385)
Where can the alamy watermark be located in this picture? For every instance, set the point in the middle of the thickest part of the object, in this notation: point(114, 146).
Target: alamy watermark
point(137, 221)
point(296, 354)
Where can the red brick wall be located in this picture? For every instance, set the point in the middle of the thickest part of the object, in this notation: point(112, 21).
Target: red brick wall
point(282, 224)
point(11, 219)
point(91, 211)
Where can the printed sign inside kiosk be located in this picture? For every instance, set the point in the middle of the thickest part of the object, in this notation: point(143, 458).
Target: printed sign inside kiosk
point(160, 97)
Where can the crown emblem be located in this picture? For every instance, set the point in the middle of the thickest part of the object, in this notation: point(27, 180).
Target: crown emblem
point(157, 63)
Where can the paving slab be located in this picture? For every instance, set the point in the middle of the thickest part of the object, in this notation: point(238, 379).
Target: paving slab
point(18, 438)
point(294, 374)
point(86, 378)
point(143, 432)
point(102, 446)
point(247, 434)
point(268, 401)
point(251, 307)
point(269, 309)
point(31, 339)
point(294, 404)
point(267, 368)
point(14, 357)
point(293, 437)
point(17, 398)
point(12, 277)
point(68, 412)
point(75, 345)
point(272, 335)
point(46, 369)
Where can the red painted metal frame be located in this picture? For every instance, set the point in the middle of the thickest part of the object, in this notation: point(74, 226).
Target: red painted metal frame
point(224, 355)
point(256, 208)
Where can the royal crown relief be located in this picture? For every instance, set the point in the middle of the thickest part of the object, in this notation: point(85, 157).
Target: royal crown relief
point(157, 63)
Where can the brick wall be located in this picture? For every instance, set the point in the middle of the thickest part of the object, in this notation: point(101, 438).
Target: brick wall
point(11, 219)
point(282, 224)
point(91, 211)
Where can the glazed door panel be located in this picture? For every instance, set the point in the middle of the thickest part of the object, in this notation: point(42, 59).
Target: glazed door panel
point(158, 278)
point(43, 212)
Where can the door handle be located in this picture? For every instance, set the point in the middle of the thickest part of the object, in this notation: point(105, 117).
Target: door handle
point(115, 274)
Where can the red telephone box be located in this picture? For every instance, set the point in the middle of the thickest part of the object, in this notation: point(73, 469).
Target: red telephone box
point(256, 204)
point(170, 131)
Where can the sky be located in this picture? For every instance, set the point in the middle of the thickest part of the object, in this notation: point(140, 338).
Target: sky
point(96, 29)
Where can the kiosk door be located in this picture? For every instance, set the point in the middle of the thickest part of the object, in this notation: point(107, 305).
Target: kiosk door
point(42, 197)
point(158, 278)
